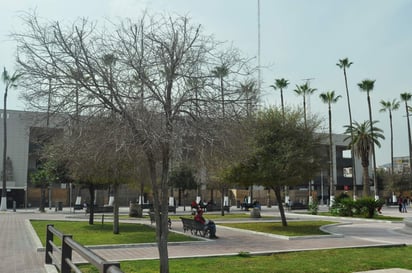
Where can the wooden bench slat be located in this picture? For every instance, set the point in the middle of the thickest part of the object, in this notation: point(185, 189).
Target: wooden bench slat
point(194, 227)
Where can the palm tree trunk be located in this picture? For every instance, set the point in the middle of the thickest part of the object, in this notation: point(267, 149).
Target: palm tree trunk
point(375, 181)
point(409, 138)
point(351, 135)
point(390, 120)
point(4, 190)
point(332, 184)
point(283, 105)
point(366, 191)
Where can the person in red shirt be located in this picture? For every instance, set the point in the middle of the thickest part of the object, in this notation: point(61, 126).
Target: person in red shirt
point(209, 223)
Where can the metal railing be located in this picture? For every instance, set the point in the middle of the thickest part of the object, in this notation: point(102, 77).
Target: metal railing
point(62, 257)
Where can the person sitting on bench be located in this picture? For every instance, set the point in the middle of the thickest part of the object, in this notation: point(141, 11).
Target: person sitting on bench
point(208, 223)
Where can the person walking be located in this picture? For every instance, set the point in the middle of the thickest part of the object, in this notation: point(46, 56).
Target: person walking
point(404, 204)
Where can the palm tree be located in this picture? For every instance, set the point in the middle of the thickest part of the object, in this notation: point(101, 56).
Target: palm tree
point(345, 64)
point(281, 84)
point(365, 136)
point(10, 82)
point(407, 97)
point(304, 90)
point(250, 92)
point(390, 106)
point(221, 72)
point(329, 98)
point(367, 86)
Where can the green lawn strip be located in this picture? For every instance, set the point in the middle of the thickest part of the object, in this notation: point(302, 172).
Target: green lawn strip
point(376, 217)
point(99, 234)
point(298, 228)
point(334, 260)
point(218, 217)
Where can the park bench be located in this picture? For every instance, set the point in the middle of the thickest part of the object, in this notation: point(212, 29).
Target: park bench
point(169, 209)
point(296, 206)
point(194, 227)
point(101, 209)
point(152, 219)
point(246, 206)
point(78, 207)
point(213, 207)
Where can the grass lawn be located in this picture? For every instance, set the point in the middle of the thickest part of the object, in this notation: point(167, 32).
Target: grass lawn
point(99, 234)
point(376, 217)
point(218, 217)
point(298, 228)
point(338, 260)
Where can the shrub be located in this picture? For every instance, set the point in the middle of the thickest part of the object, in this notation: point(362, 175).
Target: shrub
point(314, 207)
point(345, 206)
point(368, 205)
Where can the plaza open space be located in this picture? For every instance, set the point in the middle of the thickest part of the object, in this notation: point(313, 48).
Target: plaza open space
point(22, 251)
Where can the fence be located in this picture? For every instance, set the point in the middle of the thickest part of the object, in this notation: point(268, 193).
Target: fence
point(62, 257)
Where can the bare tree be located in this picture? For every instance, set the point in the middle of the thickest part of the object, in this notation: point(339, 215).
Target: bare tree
point(175, 52)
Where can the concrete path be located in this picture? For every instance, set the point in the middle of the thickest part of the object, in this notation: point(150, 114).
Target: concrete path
point(18, 247)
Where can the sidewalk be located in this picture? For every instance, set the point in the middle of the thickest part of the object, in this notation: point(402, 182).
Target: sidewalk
point(21, 255)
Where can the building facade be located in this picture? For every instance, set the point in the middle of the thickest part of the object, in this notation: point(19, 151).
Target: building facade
point(24, 129)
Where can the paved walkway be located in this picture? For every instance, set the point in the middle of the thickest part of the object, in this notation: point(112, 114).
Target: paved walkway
point(19, 245)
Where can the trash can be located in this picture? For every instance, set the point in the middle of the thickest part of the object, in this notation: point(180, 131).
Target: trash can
point(255, 213)
point(135, 210)
point(60, 205)
point(238, 203)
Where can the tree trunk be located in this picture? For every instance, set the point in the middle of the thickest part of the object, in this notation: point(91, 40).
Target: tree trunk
point(332, 184)
point(42, 199)
point(351, 135)
point(3, 205)
point(375, 180)
point(160, 198)
point(222, 199)
point(91, 205)
point(409, 139)
point(116, 227)
point(366, 190)
point(277, 191)
point(390, 121)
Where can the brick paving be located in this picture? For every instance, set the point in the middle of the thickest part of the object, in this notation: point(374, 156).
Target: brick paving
point(18, 248)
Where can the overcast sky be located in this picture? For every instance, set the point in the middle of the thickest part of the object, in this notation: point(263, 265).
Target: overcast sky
point(300, 39)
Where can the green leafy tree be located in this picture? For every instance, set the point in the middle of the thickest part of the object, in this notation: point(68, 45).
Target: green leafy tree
point(285, 152)
point(183, 178)
point(11, 82)
point(43, 178)
point(364, 137)
point(367, 86)
point(390, 106)
point(405, 97)
point(329, 98)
